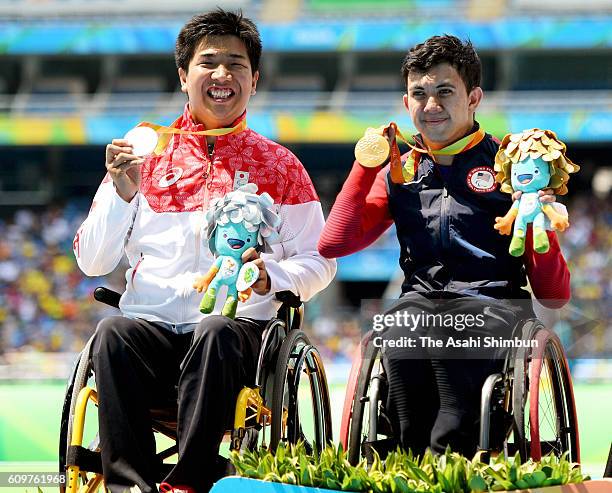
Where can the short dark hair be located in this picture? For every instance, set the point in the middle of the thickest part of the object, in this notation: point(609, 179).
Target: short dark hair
point(441, 49)
point(217, 23)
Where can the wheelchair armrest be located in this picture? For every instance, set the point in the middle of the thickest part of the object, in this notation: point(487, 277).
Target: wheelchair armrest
point(108, 296)
point(289, 299)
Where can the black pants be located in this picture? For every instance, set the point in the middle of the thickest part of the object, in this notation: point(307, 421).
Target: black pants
point(141, 366)
point(434, 393)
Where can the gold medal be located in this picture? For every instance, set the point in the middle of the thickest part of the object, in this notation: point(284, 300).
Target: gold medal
point(372, 149)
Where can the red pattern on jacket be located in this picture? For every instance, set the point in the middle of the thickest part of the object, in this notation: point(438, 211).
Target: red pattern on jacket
point(271, 166)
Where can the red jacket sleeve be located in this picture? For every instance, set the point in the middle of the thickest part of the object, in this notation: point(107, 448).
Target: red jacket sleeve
point(548, 273)
point(360, 214)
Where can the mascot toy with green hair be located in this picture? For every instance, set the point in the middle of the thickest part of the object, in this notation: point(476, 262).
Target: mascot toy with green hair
point(237, 221)
point(528, 162)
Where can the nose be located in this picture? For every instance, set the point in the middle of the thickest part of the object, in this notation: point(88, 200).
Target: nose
point(221, 72)
point(432, 105)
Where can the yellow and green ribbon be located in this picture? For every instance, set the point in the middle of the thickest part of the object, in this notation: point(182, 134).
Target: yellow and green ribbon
point(166, 132)
point(404, 174)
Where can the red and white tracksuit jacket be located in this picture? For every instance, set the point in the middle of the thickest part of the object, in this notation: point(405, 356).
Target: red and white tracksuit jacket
point(162, 230)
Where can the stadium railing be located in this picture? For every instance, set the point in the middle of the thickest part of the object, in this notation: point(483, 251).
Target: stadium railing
point(380, 101)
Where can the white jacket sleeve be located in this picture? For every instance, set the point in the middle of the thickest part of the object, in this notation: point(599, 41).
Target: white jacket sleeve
point(99, 243)
point(302, 270)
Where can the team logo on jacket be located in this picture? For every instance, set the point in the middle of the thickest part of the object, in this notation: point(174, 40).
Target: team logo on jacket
point(240, 178)
point(170, 178)
point(481, 179)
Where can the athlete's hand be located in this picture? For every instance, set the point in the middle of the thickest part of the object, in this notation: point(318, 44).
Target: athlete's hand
point(390, 135)
point(262, 285)
point(124, 168)
point(547, 195)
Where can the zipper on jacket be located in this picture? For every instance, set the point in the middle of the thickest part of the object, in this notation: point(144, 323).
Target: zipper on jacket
point(198, 236)
point(210, 152)
point(444, 219)
point(136, 268)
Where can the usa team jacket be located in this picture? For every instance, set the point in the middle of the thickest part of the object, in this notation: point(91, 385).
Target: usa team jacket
point(445, 230)
point(162, 230)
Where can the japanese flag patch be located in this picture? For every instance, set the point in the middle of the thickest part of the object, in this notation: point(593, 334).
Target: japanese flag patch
point(240, 178)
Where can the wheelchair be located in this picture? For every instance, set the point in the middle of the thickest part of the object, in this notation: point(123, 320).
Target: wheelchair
point(269, 413)
point(528, 408)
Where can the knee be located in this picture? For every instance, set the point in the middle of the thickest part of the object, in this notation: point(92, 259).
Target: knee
point(110, 331)
point(107, 328)
point(216, 331)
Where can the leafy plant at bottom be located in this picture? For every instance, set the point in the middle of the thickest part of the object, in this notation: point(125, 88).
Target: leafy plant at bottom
point(402, 472)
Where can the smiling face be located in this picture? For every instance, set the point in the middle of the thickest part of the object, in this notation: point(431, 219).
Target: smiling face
point(233, 239)
point(530, 175)
point(439, 105)
point(219, 81)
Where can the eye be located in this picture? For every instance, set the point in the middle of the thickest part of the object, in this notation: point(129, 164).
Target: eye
point(445, 92)
point(537, 171)
point(248, 240)
point(224, 235)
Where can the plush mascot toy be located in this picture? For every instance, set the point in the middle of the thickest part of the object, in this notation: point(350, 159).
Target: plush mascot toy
point(531, 161)
point(237, 221)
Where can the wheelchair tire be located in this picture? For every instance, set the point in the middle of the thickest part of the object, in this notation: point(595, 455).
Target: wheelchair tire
point(360, 427)
point(78, 380)
point(297, 356)
point(347, 408)
point(543, 400)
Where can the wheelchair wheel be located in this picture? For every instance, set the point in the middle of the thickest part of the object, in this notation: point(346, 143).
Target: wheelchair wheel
point(499, 428)
point(543, 400)
point(347, 408)
point(368, 428)
point(292, 413)
point(255, 432)
point(86, 455)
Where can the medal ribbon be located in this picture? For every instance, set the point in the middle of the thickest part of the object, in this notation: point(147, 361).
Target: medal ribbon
point(404, 174)
point(166, 133)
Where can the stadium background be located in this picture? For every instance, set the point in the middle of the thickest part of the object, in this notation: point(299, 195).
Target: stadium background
point(74, 74)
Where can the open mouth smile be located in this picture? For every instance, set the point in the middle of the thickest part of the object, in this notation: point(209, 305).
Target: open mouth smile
point(524, 179)
point(235, 243)
point(220, 94)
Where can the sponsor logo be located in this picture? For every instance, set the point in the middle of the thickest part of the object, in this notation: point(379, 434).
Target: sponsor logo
point(481, 179)
point(170, 178)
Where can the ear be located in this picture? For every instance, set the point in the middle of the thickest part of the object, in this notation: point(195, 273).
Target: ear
point(474, 98)
point(183, 78)
point(405, 99)
point(254, 85)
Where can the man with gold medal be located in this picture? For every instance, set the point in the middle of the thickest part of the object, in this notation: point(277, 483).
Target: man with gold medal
point(151, 207)
point(443, 199)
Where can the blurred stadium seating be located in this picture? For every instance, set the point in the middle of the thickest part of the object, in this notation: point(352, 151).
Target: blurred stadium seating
point(76, 73)
point(46, 304)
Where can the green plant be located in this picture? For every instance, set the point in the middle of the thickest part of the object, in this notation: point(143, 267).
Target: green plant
point(402, 472)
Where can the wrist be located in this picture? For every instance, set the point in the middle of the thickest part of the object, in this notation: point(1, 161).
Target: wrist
point(127, 196)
